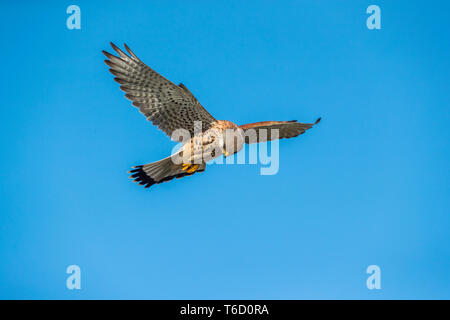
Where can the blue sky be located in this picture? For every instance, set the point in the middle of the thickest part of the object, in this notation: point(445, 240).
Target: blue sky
point(368, 185)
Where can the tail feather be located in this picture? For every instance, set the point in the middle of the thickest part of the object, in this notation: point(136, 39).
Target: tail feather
point(160, 171)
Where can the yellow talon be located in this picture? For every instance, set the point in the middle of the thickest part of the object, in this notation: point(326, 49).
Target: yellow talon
point(225, 152)
point(185, 166)
point(193, 168)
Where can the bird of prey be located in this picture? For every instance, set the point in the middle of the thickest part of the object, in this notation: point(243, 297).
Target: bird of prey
point(172, 107)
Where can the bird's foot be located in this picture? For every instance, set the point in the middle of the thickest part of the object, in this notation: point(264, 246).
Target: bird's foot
point(190, 168)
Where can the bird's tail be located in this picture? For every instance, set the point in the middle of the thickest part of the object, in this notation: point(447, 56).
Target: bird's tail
point(163, 170)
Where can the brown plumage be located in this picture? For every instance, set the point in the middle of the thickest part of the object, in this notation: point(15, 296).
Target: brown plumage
point(286, 129)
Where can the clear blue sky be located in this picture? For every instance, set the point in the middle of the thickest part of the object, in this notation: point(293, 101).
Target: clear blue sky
point(368, 185)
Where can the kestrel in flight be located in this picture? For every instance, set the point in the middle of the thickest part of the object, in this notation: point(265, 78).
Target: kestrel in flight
point(172, 107)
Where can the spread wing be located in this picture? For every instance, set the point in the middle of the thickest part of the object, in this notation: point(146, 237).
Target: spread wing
point(262, 131)
point(165, 104)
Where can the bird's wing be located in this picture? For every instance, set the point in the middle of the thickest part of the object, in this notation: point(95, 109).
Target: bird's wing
point(262, 131)
point(165, 104)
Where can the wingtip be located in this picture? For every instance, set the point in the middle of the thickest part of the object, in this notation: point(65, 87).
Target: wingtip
point(127, 48)
point(318, 120)
point(108, 55)
point(117, 49)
